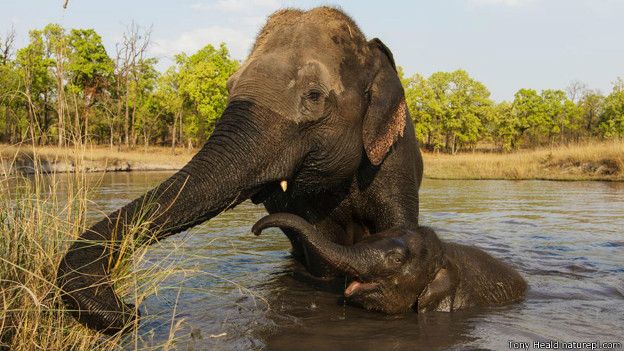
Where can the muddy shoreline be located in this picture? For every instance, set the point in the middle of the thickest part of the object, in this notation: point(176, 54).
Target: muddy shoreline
point(26, 163)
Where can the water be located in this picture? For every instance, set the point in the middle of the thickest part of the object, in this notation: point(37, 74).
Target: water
point(566, 238)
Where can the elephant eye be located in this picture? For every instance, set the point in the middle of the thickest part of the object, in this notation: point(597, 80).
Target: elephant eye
point(396, 258)
point(313, 104)
point(314, 95)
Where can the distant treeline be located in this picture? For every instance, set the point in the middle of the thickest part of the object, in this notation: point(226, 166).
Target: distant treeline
point(452, 111)
point(64, 88)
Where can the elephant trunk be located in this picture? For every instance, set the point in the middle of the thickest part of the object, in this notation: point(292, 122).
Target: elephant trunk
point(351, 260)
point(236, 162)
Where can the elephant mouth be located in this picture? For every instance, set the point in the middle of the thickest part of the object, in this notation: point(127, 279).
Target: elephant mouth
point(359, 287)
point(286, 183)
point(267, 191)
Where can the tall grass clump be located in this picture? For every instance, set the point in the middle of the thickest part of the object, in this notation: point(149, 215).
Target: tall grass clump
point(40, 215)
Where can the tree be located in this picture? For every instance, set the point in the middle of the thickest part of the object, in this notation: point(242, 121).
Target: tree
point(202, 81)
point(529, 109)
point(591, 105)
point(56, 40)
point(170, 101)
point(561, 114)
point(471, 109)
point(33, 62)
point(7, 46)
point(576, 90)
point(144, 106)
point(91, 72)
point(612, 118)
point(12, 115)
point(420, 102)
point(130, 54)
point(506, 126)
point(449, 108)
point(9, 85)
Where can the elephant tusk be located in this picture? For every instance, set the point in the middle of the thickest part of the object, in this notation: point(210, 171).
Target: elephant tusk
point(284, 185)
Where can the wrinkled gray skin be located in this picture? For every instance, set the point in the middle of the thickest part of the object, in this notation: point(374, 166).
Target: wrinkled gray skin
point(315, 104)
point(402, 269)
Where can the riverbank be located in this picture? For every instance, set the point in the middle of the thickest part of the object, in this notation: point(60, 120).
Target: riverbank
point(591, 161)
point(90, 159)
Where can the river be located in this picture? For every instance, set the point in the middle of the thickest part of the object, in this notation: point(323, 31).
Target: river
point(566, 238)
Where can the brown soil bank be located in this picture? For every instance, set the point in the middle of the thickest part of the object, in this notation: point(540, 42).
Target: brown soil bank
point(590, 161)
point(89, 159)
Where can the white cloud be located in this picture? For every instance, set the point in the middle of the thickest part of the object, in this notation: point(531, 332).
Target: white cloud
point(237, 34)
point(238, 42)
point(510, 3)
point(236, 5)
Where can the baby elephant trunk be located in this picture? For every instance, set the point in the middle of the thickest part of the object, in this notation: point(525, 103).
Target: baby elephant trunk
point(346, 259)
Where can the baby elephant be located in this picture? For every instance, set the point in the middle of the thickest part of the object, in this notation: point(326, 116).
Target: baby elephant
point(398, 270)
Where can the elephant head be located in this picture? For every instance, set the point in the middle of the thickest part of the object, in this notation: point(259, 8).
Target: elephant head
point(313, 102)
point(393, 271)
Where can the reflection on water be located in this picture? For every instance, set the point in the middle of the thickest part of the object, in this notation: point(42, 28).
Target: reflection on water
point(565, 237)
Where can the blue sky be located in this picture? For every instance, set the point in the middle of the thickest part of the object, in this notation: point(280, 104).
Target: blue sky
point(506, 44)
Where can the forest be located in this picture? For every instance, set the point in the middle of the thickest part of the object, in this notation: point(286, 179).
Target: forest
point(64, 88)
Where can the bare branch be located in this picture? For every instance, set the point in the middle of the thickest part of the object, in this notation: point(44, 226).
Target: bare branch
point(6, 46)
point(575, 90)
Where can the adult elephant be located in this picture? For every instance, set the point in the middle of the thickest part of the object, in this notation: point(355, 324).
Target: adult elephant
point(316, 125)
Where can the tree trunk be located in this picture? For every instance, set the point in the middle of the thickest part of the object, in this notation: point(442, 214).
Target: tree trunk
point(43, 137)
point(61, 114)
point(173, 133)
point(60, 97)
point(77, 134)
point(127, 117)
point(133, 135)
point(112, 132)
point(31, 117)
point(86, 124)
point(181, 130)
point(145, 139)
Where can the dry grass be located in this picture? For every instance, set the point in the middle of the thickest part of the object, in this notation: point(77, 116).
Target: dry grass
point(39, 217)
point(590, 161)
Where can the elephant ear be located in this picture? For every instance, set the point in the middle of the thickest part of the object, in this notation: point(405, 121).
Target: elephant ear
point(386, 115)
point(438, 294)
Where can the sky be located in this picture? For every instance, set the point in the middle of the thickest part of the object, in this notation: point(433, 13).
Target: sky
point(506, 44)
